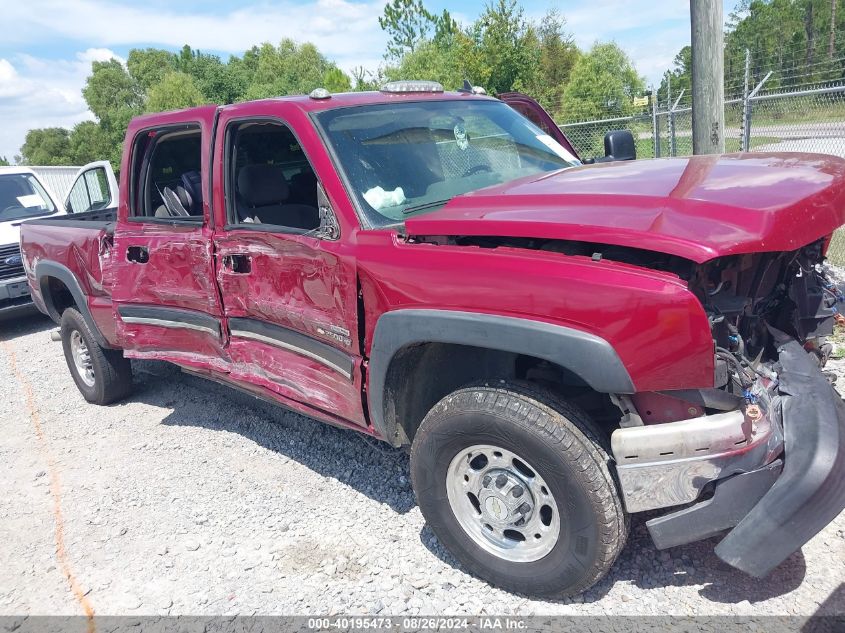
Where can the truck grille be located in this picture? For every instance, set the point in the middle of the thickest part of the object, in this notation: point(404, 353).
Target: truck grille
point(11, 263)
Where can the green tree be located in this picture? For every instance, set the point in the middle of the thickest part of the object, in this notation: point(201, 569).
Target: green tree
point(500, 51)
point(603, 83)
point(4, 162)
point(46, 146)
point(335, 80)
point(799, 41)
point(289, 68)
point(557, 57)
point(408, 23)
point(364, 79)
point(175, 91)
point(148, 66)
point(114, 97)
point(88, 142)
point(109, 88)
point(680, 76)
point(219, 82)
point(509, 47)
point(430, 62)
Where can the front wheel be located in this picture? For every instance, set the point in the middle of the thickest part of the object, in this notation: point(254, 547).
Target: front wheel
point(102, 375)
point(515, 483)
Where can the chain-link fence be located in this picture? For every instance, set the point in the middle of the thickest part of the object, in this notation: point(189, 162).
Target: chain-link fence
point(808, 120)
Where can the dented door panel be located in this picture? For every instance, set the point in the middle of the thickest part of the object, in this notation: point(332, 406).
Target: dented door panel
point(292, 318)
point(177, 274)
point(292, 282)
point(299, 378)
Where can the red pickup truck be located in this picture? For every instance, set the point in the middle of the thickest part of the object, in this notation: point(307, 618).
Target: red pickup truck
point(558, 344)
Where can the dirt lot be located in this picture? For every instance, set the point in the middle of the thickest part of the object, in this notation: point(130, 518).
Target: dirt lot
point(192, 498)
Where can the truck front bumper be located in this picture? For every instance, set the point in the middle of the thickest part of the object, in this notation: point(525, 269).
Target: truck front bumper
point(14, 296)
point(776, 489)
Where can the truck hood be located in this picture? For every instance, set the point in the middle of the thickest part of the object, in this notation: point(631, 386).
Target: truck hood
point(698, 207)
point(10, 233)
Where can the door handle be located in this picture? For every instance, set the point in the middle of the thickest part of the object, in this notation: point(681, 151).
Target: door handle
point(137, 254)
point(238, 263)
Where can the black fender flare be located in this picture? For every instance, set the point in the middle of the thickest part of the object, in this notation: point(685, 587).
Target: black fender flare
point(590, 357)
point(46, 269)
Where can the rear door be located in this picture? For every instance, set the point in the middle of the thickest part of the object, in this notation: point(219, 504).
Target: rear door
point(165, 297)
point(287, 280)
point(94, 189)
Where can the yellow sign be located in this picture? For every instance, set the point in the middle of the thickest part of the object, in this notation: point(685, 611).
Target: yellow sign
point(640, 101)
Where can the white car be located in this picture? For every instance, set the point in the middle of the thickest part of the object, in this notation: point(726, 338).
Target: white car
point(24, 195)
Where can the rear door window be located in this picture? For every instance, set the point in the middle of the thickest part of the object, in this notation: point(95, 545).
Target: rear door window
point(166, 176)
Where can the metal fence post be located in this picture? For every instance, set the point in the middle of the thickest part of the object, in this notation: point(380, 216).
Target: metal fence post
point(746, 106)
point(673, 145)
point(655, 126)
point(746, 114)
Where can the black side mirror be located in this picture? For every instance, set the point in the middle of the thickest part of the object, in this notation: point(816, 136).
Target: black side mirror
point(619, 145)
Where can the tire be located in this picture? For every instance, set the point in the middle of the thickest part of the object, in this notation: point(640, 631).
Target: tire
point(551, 439)
point(109, 377)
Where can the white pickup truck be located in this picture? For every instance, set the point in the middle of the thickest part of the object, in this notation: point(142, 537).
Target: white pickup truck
point(24, 195)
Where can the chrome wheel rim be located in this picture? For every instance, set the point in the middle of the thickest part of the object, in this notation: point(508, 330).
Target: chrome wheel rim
point(81, 358)
point(502, 503)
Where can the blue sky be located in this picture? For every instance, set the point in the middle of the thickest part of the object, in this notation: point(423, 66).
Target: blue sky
point(48, 45)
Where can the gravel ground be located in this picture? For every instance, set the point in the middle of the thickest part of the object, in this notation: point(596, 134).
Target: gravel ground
point(192, 498)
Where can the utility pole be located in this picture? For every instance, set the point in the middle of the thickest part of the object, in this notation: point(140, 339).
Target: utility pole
point(708, 77)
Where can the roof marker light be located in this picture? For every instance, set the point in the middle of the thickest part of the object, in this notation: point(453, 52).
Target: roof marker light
point(412, 86)
point(320, 93)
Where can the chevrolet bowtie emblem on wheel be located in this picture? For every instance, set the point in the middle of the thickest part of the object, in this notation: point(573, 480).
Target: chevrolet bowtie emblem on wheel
point(14, 260)
point(496, 508)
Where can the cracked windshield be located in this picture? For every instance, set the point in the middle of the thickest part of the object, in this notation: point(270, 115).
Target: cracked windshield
point(409, 158)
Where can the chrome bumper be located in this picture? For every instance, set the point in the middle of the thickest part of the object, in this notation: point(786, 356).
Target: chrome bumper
point(14, 295)
point(664, 465)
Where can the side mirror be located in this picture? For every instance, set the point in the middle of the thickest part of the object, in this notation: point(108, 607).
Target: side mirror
point(619, 145)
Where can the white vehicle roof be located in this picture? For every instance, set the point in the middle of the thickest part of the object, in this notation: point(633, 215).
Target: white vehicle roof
point(16, 169)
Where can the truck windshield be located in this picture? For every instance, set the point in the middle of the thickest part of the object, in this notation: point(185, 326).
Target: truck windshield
point(411, 158)
point(22, 196)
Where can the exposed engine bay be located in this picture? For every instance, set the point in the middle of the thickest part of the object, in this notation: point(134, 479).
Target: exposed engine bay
point(745, 298)
point(747, 295)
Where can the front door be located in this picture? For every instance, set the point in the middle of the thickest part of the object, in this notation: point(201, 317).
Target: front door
point(165, 296)
point(288, 286)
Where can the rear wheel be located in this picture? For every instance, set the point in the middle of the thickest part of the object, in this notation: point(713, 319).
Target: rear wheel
point(515, 483)
point(102, 375)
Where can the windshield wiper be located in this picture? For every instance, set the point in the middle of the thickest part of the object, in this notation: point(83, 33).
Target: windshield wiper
point(425, 205)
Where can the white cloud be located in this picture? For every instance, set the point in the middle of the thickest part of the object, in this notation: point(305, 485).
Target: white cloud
point(343, 30)
point(37, 92)
point(601, 19)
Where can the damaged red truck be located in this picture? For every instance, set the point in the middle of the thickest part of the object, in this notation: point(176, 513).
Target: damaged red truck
point(559, 344)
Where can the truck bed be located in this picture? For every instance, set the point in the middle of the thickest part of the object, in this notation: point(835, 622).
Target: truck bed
point(80, 244)
point(100, 219)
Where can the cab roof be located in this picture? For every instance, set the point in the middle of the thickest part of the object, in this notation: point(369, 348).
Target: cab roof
point(336, 100)
point(346, 99)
